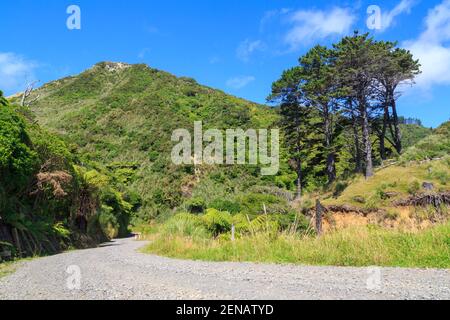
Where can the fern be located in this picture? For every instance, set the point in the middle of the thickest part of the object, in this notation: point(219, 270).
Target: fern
point(217, 222)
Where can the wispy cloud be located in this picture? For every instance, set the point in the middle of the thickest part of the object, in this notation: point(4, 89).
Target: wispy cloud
point(15, 71)
point(247, 48)
point(270, 15)
point(388, 17)
point(312, 25)
point(215, 60)
point(240, 82)
point(143, 53)
point(151, 29)
point(432, 48)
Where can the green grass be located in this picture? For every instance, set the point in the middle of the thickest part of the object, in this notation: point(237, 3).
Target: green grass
point(7, 268)
point(357, 246)
point(400, 180)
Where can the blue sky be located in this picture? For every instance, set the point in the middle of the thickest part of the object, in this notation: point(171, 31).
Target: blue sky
point(240, 47)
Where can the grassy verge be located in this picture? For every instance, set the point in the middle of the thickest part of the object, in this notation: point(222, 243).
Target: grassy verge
point(356, 246)
point(7, 268)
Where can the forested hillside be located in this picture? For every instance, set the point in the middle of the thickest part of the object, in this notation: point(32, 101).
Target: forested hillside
point(49, 200)
point(123, 116)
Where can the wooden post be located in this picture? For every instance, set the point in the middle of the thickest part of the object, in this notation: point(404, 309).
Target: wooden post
point(319, 217)
point(233, 233)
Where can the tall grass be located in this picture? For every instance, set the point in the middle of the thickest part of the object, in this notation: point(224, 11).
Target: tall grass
point(356, 246)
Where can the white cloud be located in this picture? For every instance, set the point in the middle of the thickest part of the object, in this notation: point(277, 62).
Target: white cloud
point(247, 48)
point(387, 18)
point(15, 71)
point(432, 49)
point(311, 25)
point(240, 82)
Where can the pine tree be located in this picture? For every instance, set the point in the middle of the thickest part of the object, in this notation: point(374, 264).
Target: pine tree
point(356, 66)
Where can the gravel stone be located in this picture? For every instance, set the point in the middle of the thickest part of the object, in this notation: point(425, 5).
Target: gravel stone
point(117, 270)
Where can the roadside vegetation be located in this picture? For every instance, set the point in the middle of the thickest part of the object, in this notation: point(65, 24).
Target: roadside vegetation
point(7, 268)
point(354, 246)
point(366, 222)
point(90, 156)
point(49, 200)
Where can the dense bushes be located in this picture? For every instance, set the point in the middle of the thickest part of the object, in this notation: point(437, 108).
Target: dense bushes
point(16, 156)
point(250, 219)
point(46, 196)
point(114, 211)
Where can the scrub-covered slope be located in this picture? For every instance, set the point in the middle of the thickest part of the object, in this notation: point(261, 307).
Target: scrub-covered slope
point(123, 116)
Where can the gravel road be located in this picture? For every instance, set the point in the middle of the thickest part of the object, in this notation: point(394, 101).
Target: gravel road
point(118, 271)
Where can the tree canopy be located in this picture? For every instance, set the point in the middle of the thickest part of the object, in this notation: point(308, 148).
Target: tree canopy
point(349, 89)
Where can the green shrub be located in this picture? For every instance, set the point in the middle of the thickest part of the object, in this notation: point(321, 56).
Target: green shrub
point(373, 202)
point(16, 154)
point(225, 205)
point(253, 204)
point(186, 224)
point(196, 205)
point(241, 223)
point(414, 187)
point(108, 222)
point(339, 187)
point(217, 222)
point(292, 221)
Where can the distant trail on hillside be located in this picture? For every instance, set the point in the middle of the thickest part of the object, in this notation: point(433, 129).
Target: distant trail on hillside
point(118, 271)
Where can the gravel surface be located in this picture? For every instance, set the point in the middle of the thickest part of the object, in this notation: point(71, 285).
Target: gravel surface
point(118, 271)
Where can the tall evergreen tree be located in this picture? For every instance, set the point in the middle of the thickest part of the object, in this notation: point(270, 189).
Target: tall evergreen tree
point(356, 66)
point(320, 88)
point(295, 117)
point(396, 66)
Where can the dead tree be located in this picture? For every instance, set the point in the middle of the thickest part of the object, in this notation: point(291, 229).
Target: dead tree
point(26, 101)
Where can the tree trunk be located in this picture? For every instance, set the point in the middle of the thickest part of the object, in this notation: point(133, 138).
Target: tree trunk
point(331, 168)
point(331, 158)
point(358, 152)
point(397, 132)
point(383, 133)
point(298, 193)
point(366, 139)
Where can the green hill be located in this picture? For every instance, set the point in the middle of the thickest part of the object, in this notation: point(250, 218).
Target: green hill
point(436, 145)
point(123, 116)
